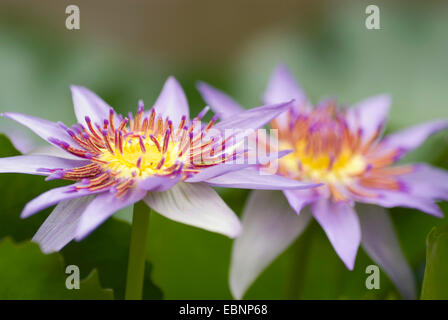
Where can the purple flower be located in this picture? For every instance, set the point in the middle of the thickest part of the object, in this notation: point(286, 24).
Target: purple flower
point(158, 156)
point(343, 149)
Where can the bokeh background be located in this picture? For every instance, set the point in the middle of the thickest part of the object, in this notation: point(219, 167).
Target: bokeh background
point(125, 50)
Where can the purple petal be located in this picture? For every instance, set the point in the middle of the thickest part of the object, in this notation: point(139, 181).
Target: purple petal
point(218, 170)
point(32, 163)
point(390, 199)
point(427, 182)
point(104, 206)
point(253, 118)
point(172, 102)
point(43, 128)
point(53, 151)
point(88, 104)
point(269, 227)
point(409, 139)
point(60, 226)
point(220, 103)
point(341, 225)
point(370, 115)
point(299, 199)
point(196, 205)
point(51, 197)
point(19, 140)
point(251, 178)
point(380, 242)
point(283, 86)
point(159, 183)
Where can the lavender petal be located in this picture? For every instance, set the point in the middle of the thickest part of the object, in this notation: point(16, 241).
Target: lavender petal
point(409, 139)
point(102, 207)
point(60, 226)
point(88, 104)
point(283, 86)
point(369, 115)
point(269, 227)
point(45, 129)
point(172, 102)
point(53, 196)
point(253, 118)
point(251, 178)
point(220, 103)
point(37, 164)
point(197, 205)
point(381, 244)
point(341, 224)
point(299, 199)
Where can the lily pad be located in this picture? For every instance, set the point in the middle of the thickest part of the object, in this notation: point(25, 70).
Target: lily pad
point(27, 273)
point(106, 250)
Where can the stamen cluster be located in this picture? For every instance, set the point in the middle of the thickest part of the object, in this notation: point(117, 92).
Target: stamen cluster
point(123, 151)
point(329, 150)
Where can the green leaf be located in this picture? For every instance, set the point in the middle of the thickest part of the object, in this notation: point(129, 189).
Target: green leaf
point(90, 289)
point(105, 250)
point(435, 283)
point(27, 273)
point(6, 147)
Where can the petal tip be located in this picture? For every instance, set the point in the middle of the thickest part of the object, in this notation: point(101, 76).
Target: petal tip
point(236, 289)
point(236, 232)
point(75, 87)
point(8, 115)
point(201, 84)
point(25, 213)
point(438, 214)
point(350, 264)
point(171, 80)
point(236, 295)
point(281, 68)
point(81, 232)
point(204, 88)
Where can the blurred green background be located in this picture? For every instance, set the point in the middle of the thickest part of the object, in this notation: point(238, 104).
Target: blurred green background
point(124, 51)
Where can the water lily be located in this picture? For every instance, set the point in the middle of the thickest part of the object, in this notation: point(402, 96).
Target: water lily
point(344, 149)
point(158, 156)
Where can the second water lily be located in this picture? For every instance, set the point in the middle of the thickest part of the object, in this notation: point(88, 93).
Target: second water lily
point(342, 148)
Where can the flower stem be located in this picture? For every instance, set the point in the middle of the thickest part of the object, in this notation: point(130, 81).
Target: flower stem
point(137, 252)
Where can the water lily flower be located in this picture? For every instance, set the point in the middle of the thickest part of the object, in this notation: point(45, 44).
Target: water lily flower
point(342, 148)
point(116, 161)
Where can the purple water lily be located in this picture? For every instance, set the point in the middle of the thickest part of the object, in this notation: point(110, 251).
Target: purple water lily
point(117, 161)
point(343, 149)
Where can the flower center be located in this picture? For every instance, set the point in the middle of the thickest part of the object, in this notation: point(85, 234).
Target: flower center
point(141, 156)
point(324, 168)
point(325, 150)
point(138, 148)
point(329, 150)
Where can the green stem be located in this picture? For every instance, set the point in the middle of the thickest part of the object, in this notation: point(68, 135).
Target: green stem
point(301, 250)
point(137, 252)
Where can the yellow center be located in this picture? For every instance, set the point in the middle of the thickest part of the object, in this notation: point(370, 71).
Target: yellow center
point(320, 168)
point(127, 163)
